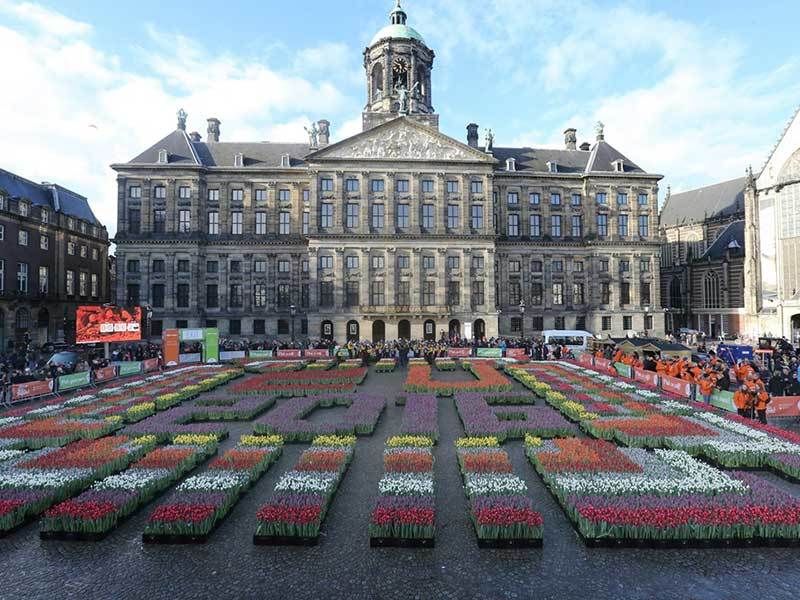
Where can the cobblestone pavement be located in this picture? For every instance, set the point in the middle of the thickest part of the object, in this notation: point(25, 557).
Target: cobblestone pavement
point(344, 566)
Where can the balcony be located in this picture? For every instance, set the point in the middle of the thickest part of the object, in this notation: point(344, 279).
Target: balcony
point(409, 310)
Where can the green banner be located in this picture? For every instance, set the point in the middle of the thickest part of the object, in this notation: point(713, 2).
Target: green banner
point(719, 399)
point(130, 368)
point(489, 353)
point(211, 344)
point(260, 353)
point(623, 369)
point(343, 354)
point(70, 382)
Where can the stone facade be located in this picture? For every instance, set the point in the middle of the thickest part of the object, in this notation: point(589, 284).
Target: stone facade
point(399, 231)
point(703, 259)
point(53, 258)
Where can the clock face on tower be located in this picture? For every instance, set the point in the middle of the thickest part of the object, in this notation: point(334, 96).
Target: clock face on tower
point(399, 73)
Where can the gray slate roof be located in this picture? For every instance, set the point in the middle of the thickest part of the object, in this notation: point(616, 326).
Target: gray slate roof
point(597, 160)
point(182, 151)
point(718, 200)
point(52, 196)
point(733, 233)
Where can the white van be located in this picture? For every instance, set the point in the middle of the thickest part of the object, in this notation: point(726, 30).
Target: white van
point(575, 340)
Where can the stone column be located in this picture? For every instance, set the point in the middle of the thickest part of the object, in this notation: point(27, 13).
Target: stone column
point(490, 280)
point(441, 268)
point(415, 206)
point(339, 202)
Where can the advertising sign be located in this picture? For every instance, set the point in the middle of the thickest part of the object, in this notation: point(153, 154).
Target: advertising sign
point(211, 344)
point(132, 367)
point(102, 324)
point(191, 335)
point(31, 389)
point(623, 370)
point(586, 359)
point(602, 364)
point(516, 353)
point(151, 364)
point(648, 377)
point(105, 374)
point(720, 399)
point(289, 353)
point(784, 406)
point(260, 353)
point(316, 353)
point(676, 386)
point(71, 382)
point(459, 352)
point(170, 346)
point(489, 353)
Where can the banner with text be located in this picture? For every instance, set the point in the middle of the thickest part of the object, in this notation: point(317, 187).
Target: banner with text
point(586, 359)
point(489, 353)
point(648, 377)
point(151, 364)
point(676, 386)
point(784, 406)
point(170, 347)
point(211, 344)
point(288, 353)
point(602, 364)
point(623, 370)
point(459, 352)
point(133, 367)
point(105, 374)
point(260, 353)
point(720, 399)
point(317, 353)
point(31, 389)
point(74, 381)
point(517, 353)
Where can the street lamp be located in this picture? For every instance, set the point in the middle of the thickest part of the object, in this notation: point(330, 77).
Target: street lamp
point(646, 315)
point(522, 320)
point(293, 312)
point(148, 311)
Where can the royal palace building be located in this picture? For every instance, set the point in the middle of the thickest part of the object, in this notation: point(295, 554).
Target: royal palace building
point(398, 231)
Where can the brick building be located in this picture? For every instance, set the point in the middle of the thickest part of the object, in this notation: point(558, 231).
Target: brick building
point(53, 257)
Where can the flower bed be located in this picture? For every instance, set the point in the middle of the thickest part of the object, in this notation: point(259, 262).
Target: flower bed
point(289, 418)
point(445, 364)
point(509, 421)
point(420, 416)
point(501, 512)
point(295, 512)
point(405, 513)
point(301, 383)
point(385, 365)
point(35, 481)
point(201, 502)
point(631, 495)
point(488, 379)
point(94, 513)
point(274, 367)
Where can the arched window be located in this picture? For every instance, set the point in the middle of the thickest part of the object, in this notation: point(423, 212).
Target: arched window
point(711, 294)
point(377, 81)
point(675, 297)
point(23, 319)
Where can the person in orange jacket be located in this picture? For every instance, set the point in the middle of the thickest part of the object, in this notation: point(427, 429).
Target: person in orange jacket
point(706, 385)
point(761, 401)
point(742, 400)
point(618, 356)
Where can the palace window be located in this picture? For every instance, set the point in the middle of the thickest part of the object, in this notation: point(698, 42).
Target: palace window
point(602, 225)
point(429, 293)
point(403, 261)
point(642, 199)
point(453, 215)
point(555, 225)
point(625, 293)
point(711, 290)
point(213, 222)
point(537, 293)
point(403, 293)
point(513, 197)
point(577, 293)
point(477, 293)
point(285, 223)
point(576, 199)
point(427, 186)
point(558, 293)
point(213, 195)
point(235, 295)
point(644, 226)
point(326, 215)
point(555, 199)
point(351, 293)
point(402, 216)
point(514, 293)
point(427, 216)
point(260, 295)
point(452, 186)
point(377, 186)
point(577, 226)
point(602, 198)
point(453, 263)
point(535, 198)
point(477, 216)
point(453, 293)
point(476, 187)
point(284, 196)
point(182, 300)
point(535, 225)
point(376, 294)
point(261, 223)
point(352, 262)
point(134, 220)
point(326, 184)
point(351, 185)
point(513, 225)
point(401, 186)
point(184, 221)
point(261, 195)
point(326, 293)
point(237, 223)
point(606, 323)
point(159, 192)
point(159, 220)
point(622, 225)
point(325, 261)
point(378, 214)
point(184, 192)
point(622, 198)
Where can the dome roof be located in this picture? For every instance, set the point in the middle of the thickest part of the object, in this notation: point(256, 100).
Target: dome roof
point(397, 31)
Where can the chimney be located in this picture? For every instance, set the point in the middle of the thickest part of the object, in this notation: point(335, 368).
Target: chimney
point(324, 135)
point(472, 135)
point(570, 138)
point(194, 136)
point(213, 129)
point(585, 146)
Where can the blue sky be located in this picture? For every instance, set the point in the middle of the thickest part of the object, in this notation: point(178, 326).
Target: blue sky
point(692, 90)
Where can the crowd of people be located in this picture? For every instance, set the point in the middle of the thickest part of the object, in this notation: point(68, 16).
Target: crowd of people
point(753, 382)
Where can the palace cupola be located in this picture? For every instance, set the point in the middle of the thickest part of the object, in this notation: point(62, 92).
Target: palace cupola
point(398, 67)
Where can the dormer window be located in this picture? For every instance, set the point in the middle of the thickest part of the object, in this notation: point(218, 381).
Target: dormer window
point(162, 157)
point(552, 166)
point(23, 208)
point(44, 215)
point(618, 166)
point(511, 164)
point(286, 161)
point(238, 159)
point(2, 202)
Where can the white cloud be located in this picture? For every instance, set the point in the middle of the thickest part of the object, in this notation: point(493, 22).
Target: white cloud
point(44, 19)
point(77, 108)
